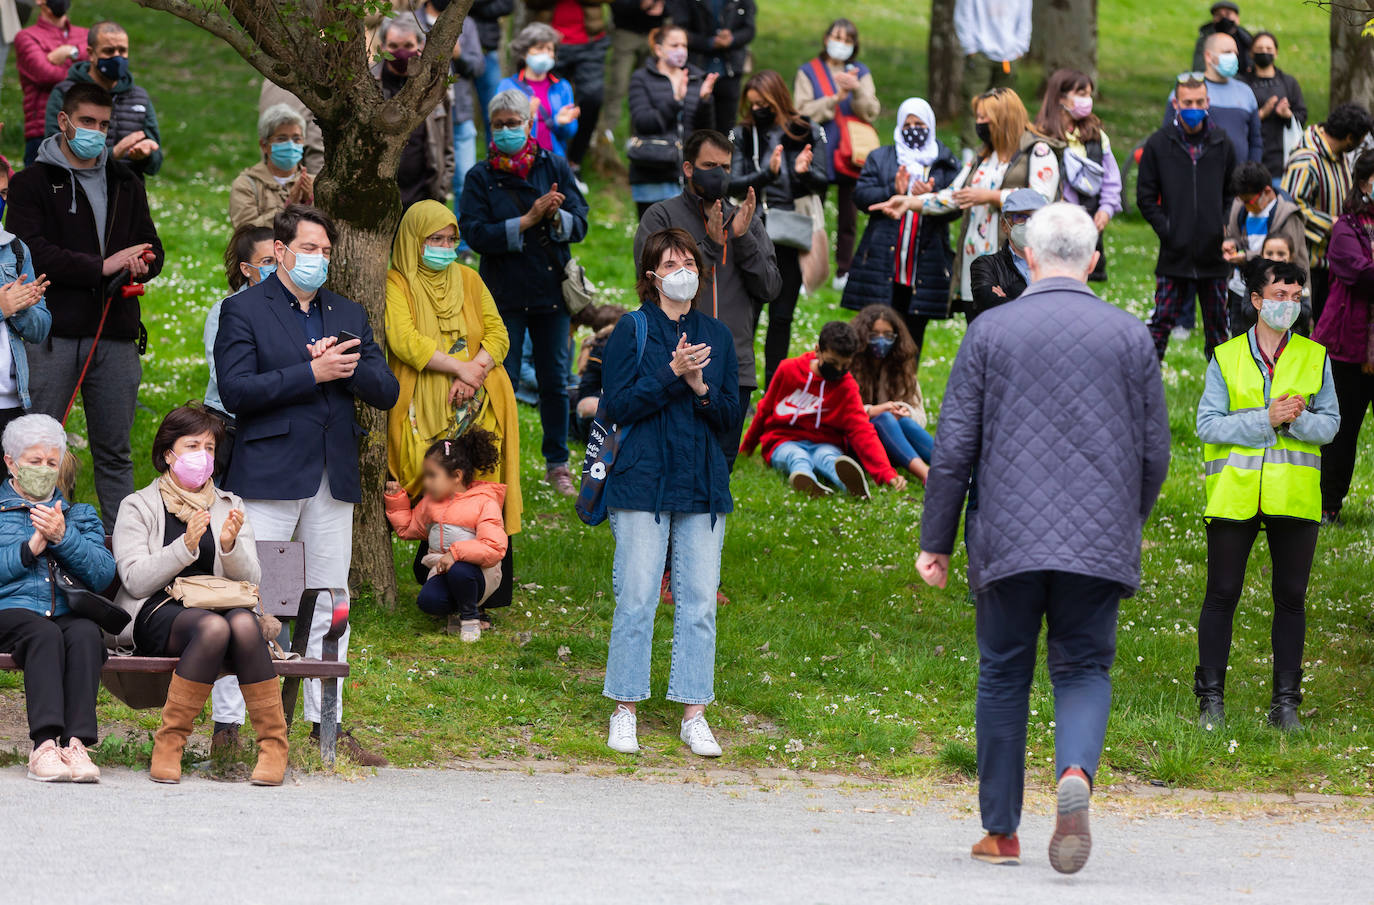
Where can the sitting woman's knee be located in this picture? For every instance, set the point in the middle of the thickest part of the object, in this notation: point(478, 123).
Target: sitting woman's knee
point(886, 419)
point(213, 631)
point(83, 634)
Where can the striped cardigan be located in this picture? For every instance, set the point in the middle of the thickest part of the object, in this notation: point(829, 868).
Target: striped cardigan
point(1318, 179)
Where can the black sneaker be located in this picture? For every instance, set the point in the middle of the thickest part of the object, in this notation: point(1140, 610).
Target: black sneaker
point(1332, 519)
point(804, 483)
point(852, 476)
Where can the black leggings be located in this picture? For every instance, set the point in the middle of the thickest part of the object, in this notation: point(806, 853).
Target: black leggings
point(778, 341)
point(1354, 394)
point(1292, 544)
point(915, 323)
point(210, 642)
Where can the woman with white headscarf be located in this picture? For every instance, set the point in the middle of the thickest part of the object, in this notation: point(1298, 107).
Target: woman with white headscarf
point(905, 262)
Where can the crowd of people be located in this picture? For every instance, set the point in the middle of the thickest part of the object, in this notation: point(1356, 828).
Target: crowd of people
point(1263, 218)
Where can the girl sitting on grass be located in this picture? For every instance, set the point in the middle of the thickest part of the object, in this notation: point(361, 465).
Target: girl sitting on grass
point(462, 520)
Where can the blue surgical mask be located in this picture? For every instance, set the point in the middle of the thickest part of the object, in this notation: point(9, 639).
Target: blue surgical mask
point(3, 202)
point(539, 63)
point(310, 272)
point(1192, 117)
point(1228, 64)
point(286, 155)
point(509, 141)
point(86, 144)
point(881, 345)
point(436, 257)
point(113, 68)
point(264, 270)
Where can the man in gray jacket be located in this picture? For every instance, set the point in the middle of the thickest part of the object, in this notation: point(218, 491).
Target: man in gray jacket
point(1056, 403)
point(742, 265)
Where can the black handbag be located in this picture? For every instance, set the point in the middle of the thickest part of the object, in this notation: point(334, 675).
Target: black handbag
point(654, 152)
point(86, 603)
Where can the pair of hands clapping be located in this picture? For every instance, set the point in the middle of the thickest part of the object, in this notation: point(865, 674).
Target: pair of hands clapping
point(200, 523)
point(689, 361)
point(20, 295)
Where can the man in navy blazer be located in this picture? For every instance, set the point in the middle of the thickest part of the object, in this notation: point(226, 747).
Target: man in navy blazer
point(287, 371)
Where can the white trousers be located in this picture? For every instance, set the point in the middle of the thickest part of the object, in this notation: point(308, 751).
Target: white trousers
point(325, 526)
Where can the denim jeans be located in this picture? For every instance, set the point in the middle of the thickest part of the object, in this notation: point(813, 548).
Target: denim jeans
point(486, 85)
point(464, 156)
point(641, 545)
point(903, 439)
point(548, 333)
point(814, 459)
point(1080, 613)
point(455, 591)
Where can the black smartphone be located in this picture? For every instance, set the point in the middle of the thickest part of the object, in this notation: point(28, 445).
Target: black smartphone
point(345, 336)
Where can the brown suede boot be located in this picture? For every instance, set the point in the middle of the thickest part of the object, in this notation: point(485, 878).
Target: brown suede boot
point(263, 700)
point(185, 701)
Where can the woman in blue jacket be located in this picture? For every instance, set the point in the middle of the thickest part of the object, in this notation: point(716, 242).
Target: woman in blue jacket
point(23, 315)
point(670, 374)
point(520, 211)
point(61, 653)
point(534, 51)
point(905, 262)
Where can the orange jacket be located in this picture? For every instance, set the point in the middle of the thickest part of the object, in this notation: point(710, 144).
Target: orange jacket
point(478, 508)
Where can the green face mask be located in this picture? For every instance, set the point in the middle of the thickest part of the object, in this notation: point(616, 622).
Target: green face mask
point(436, 257)
point(36, 481)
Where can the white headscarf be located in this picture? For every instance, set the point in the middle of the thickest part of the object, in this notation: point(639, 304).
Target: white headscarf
point(922, 156)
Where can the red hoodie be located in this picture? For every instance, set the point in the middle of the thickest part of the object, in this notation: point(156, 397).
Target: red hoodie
point(801, 405)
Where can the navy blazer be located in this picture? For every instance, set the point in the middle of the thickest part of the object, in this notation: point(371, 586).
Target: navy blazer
point(290, 427)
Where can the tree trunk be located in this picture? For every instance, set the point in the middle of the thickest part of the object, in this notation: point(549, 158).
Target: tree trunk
point(366, 207)
point(1352, 53)
point(945, 62)
point(1064, 35)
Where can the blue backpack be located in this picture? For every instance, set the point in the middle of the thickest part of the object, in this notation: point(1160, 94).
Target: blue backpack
point(604, 441)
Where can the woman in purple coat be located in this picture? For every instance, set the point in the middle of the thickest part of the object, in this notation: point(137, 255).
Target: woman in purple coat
point(1347, 330)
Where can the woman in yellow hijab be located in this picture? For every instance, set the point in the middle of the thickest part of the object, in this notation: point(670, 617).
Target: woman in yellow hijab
point(445, 344)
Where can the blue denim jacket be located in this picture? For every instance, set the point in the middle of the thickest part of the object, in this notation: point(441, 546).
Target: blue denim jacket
point(29, 325)
point(1216, 424)
point(24, 581)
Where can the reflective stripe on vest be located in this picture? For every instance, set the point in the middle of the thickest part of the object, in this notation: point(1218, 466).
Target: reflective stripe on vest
point(1284, 479)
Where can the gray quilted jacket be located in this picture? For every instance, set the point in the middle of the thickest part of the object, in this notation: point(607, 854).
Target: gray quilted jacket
point(1055, 400)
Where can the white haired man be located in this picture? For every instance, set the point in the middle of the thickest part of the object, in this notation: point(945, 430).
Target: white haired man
point(1056, 398)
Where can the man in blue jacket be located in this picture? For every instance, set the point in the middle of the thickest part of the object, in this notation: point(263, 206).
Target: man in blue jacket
point(291, 359)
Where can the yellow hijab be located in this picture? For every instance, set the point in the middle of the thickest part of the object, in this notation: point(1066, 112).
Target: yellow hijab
point(445, 304)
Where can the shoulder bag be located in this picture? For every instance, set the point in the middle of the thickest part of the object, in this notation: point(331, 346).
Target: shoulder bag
point(604, 441)
point(790, 229)
point(84, 602)
point(211, 592)
point(857, 138)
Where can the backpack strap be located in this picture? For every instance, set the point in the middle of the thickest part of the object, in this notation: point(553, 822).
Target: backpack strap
point(641, 333)
point(18, 258)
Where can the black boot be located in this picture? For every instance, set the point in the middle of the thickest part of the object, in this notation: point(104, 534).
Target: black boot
point(1210, 687)
point(1283, 711)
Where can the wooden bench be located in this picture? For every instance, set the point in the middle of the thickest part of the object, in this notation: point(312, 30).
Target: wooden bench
point(285, 596)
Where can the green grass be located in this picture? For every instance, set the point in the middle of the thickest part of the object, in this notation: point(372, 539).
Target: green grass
point(831, 655)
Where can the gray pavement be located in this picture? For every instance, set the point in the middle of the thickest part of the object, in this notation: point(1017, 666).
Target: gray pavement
point(440, 836)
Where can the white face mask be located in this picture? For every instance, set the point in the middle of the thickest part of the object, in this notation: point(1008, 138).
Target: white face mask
point(1280, 313)
point(839, 51)
point(680, 285)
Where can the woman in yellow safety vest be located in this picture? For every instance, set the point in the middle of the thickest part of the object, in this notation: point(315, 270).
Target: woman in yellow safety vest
point(1267, 408)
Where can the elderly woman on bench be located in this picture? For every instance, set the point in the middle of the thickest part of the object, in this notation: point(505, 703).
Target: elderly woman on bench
point(60, 652)
point(183, 527)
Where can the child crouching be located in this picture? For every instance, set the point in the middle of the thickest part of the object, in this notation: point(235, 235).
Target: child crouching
point(462, 520)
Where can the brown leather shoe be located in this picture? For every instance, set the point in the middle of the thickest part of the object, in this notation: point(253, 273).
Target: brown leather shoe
point(263, 700)
point(225, 743)
point(995, 848)
point(354, 749)
point(185, 701)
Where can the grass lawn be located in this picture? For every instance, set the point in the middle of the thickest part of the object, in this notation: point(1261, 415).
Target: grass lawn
point(831, 655)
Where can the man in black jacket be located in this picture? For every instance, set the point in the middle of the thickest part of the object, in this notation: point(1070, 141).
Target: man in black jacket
point(85, 218)
point(718, 36)
point(1226, 21)
point(1184, 191)
point(998, 278)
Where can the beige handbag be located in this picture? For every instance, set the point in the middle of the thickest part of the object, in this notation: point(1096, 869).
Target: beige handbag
point(210, 592)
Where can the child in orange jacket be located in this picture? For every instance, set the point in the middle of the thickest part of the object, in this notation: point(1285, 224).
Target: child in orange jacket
point(463, 522)
point(812, 414)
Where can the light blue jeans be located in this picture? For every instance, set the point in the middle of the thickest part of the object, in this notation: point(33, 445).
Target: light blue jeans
point(486, 85)
point(641, 545)
point(464, 156)
point(814, 459)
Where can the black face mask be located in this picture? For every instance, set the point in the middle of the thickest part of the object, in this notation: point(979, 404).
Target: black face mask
point(1226, 27)
point(764, 117)
point(984, 132)
point(113, 68)
point(59, 7)
point(710, 184)
point(915, 136)
point(1264, 60)
point(831, 372)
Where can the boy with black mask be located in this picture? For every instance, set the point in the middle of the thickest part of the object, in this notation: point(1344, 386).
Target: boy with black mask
point(742, 266)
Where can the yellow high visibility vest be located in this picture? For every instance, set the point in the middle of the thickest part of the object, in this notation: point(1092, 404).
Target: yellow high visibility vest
point(1285, 479)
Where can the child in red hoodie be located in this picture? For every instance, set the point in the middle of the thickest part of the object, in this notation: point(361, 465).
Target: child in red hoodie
point(463, 522)
point(812, 413)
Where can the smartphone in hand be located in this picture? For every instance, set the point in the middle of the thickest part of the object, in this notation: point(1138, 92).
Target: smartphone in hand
point(344, 336)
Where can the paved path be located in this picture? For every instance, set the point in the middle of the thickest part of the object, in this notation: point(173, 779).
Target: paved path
point(509, 837)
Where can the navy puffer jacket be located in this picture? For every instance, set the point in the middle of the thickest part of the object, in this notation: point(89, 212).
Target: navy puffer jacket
point(870, 275)
point(673, 460)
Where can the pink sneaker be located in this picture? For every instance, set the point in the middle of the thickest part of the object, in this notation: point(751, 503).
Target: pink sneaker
point(79, 762)
point(46, 764)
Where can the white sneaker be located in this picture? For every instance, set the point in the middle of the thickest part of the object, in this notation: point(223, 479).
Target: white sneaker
point(82, 768)
point(623, 738)
point(840, 282)
point(46, 764)
point(697, 735)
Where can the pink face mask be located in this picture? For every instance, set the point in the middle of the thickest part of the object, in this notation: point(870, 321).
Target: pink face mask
point(1081, 106)
point(193, 469)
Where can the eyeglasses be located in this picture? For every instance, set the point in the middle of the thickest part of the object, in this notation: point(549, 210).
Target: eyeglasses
point(1184, 77)
point(1017, 218)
